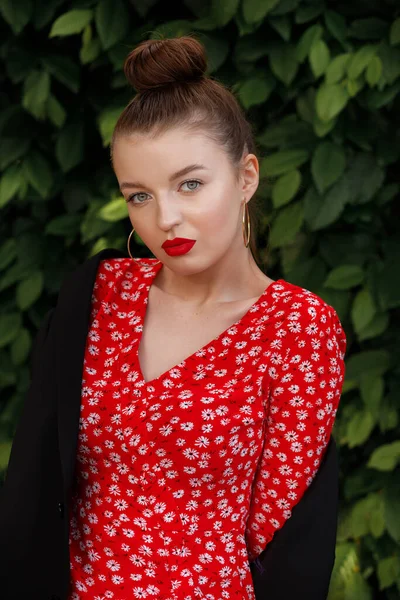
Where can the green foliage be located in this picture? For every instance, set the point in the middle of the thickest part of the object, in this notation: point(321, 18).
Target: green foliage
point(320, 83)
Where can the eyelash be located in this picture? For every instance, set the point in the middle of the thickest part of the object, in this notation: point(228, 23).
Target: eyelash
point(130, 198)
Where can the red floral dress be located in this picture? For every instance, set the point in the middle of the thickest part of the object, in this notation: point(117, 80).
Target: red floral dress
point(181, 481)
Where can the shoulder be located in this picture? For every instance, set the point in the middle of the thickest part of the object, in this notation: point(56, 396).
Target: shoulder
point(101, 269)
point(112, 269)
point(296, 301)
point(304, 314)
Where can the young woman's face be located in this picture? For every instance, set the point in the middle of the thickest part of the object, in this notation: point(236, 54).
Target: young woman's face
point(181, 184)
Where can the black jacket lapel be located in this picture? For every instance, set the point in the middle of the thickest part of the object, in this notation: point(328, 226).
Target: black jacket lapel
point(71, 323)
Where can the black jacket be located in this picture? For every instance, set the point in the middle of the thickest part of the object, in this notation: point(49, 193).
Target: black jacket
point(34, 500)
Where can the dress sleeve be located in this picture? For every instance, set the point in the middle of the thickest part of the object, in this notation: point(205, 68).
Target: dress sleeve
point(305, 375)
point(103, 284)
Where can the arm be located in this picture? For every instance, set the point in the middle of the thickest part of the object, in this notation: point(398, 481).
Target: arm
point(301, 555)
point(305, 377)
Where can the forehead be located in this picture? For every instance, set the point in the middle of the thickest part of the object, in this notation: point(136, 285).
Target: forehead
point(166, 152)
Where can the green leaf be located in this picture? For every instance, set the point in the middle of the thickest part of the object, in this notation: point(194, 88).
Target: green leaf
point(114, 211)
point(359, 428)
point(305, 105)
point(8, 252)
point(10, 183)
point(284, 7)
point(286, 188)
point(71, 22)
point(29, 290)
point(92, 227)
point(256, 90)
point(15, 273)
point(44, 12)
point(388, 571)
point(12, 148)
point(374, 71)
point(357, 587)
point(344, 277)
point(223, 12)
point(319, 58)
point(336, 25)
point(112, 22)
point(284, 63)
point(354, 86)
point(363, 309)
point(307, 40)
point(330, 101)
point(20, 347)
point(64, 69)
point(369, 361)
point(346, 558)
point(367, 516)
point(5, 451)
point(282, 162)
point(327, 165)
point(386, 457)
point(377, 517)
point(305, 13)
point(64, 226)
point(375, 327)
point(371, 391)
point(91, 47)
point(360, 60)
point(282, 25)
point(281, 134)
point(172, 29)
point(337, 68)
point(38, 173)
point(390, 58)
point(377, 99)
point(395, 32)
point(107, 121)
point(217, 49)
point(322, 128)
point(36, 93)
point(16, 14)
point(331, 205)
point(55, 111)
point(365, 176)
point(255, 11)
point(286, 225)
point(69, 146)
point(10, 326)
point(249, 50)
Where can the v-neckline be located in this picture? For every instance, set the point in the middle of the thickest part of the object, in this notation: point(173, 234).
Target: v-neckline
point(143, 310)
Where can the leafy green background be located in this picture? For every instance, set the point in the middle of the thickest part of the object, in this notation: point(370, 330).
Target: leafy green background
point(320, 81)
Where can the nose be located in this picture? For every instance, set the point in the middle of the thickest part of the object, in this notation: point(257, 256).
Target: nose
point(168, 214)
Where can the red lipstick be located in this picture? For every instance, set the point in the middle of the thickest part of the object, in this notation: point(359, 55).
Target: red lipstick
point(178, 246)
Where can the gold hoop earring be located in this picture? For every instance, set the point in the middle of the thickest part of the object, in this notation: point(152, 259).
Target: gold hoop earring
point(246, 214)
point(129, 251)
point(129, 239)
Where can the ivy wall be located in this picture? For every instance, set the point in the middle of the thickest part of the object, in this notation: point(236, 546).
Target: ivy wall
point(320, 82)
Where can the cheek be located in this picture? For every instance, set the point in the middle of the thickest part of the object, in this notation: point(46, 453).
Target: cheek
point(221, 215)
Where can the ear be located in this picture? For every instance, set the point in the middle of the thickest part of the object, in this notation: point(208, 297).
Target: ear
point(249, 175)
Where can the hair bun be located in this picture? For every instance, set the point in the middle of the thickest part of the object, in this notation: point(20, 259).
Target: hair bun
point(156, 63)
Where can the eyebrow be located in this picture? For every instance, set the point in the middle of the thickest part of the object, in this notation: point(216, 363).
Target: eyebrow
point(180, 173)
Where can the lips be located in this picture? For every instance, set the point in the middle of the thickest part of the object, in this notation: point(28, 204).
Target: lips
point(176, 242)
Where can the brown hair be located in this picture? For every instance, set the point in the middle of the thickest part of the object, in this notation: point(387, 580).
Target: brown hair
point(169, 76)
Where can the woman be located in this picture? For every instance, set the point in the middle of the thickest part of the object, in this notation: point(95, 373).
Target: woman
point(181, 407)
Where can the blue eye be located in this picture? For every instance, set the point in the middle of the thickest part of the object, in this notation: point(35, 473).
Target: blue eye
point(141, 197)
point(193, 181)
point(132, 196)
